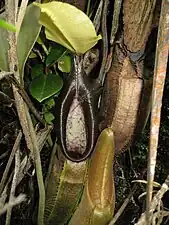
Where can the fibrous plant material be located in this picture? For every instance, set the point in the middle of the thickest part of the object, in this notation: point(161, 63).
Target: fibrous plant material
point(154, 206)
point(17, 200)
point(137, 21)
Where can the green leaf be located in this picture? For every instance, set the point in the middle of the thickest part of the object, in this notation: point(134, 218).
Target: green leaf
point(3, 49)
point(68, 26)
point(64, 63)
point(28, 34)
point(49, 103)
point(32, 55)
point(49, 117)
point(44, 86)
point(7, 26)
point(39, 40)
point(64, 190)
point(37, 70)
point(55, 54)
point(45, 1)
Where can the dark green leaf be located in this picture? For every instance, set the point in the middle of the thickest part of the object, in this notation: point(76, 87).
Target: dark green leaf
point(55, 54)
point(37, 70)
point(44, 86)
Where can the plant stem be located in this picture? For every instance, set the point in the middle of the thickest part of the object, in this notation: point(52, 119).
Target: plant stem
point(160, 68)
point(14, 184)
point(38, 173)
point(88, 7)
point(22, 109)
point(8, 166)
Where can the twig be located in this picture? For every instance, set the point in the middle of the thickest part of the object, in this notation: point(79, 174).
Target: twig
point(156, 199)
point(26, 99)
point(2, 9)
point(38, 167)
point(96, 23)
point(3, 196)
point(4, 74)
point(13, 186)
point(88, 7)
point(157, 93)
point(114, 28)
point(16, 8)
point(8, 166)
point(115, 21)
point(9, 76)
point(16, 201)
point(5, 98)
point(101, 77)
point(21, 14)
point(160, 216)
point(13, 66)
point(23, 113)
point(4, 154)
point(26, 162)
point(122, 208)
point(97, 17)
point(41, 139)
